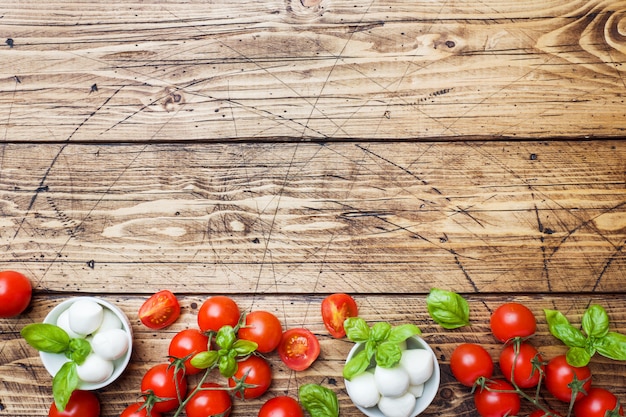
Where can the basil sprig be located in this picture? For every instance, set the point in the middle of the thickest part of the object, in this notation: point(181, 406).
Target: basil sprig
point(50, 338)
point(319, 401)
point(594, 337)
point(447, 308)
point(381, 344)
point(231, 350)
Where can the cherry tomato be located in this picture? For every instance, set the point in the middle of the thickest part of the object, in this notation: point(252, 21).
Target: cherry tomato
point(263, 328)
point(525, 373)
point(336, 308)
point(541, 413)
point(559, 374)
point(218, 311)
point(185, 344)
point(257, 372)
point(598, 402)
point(211, 400)
point(81, 404)
point(470, 362)
point(164, 382)
point(496, 403)
point(160, 310)
point(512, 320)
point(298, 348)
point(15, 293)
point(135, 410)
point(282, 406)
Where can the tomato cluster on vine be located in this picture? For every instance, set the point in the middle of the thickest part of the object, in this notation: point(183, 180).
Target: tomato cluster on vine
point(226, 340)
point(525, 373)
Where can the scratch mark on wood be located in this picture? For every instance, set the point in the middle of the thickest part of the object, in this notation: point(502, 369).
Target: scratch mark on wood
point(607, 265)
point(545, 260)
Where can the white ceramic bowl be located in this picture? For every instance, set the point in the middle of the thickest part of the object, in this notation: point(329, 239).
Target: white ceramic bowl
point(53, 361)
point(430, 387)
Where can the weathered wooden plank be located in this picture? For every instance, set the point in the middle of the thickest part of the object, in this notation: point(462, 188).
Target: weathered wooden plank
point(332, 69)
point(25, 386)
point(306, 218)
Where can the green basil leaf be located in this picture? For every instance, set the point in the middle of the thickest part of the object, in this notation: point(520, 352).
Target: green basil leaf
point(447, 308)
point(244, 347)
point(204, 360)
point(357, 329)
point(402, 332)
point(577, 356)
point(380, 331)
point(318, 401)
point(356, 365)
point(78, 350)
point(612, 346)
point(388, 354)
point(561, 328)
point(228, 364)
point(595, 321)
point(226, 336)
point(46, 337)
point(64, 383)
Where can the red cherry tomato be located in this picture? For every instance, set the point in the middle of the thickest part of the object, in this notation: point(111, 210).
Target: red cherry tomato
point(15, 293)
point(136, 410)
point(598, 402)
point(492, 402)
point(470, 362)
point(541, 413)
point(559, 374)
point(512, 320)
point(336, 308)
point(257, 372)
point(525, 373)
point(163, 381)
point(160, 310)
point(185, 344)
point(298, 348)
point(81, 404)
point(218, 311)
point(263, 328)
point(282, 406)
point(211, 400)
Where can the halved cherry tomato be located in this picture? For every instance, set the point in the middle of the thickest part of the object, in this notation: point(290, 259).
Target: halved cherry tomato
point(160, 310)
point(336, 308)
point(298, 348)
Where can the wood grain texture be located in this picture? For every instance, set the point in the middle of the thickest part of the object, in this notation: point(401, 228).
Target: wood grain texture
point(307, 218)
point(25, 386)
point(377, 69)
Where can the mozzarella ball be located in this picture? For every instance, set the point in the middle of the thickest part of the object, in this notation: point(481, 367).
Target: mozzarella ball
point(419, 364)
point(362, 390)
point(109, 321)
point(85, 316)
point(401, 406)
point(416, 390)
point(391, 382)
point(110, 344)
point(63, 321)
point(95, 369)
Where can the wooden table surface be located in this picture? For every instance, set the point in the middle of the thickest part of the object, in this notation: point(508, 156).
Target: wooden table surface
point(280, 151)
